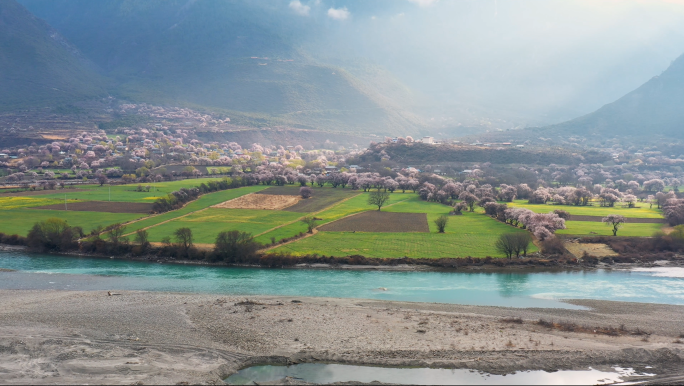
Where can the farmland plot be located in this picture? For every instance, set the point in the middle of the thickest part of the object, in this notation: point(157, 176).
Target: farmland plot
point(260, 201)
point(471, 234)
point(321, 198)
point(375, 221)
point(102, 206)
point(20, 221)
point(642, 211)
point(207, 224)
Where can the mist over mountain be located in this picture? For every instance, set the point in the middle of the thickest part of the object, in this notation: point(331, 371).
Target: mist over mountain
point(38, 66)
point(386, 67)
point(236, 56)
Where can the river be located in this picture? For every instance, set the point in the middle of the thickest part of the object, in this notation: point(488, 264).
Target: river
point(510, 289)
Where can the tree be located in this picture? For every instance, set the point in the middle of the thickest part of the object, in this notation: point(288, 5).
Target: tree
point(235, 246)
point(378, 198)
point(310, 223)
point(564, 214)
point(441, 223)
point(188, 171)
point(116, 233)
point(614, 220)
point(511, 244)
point(305, 192)
point(102, 179)
point(469, 198)
point(53, 234)
point(630, 200)
point(459, 207)
point(142, 238)
point(183, 238)
point(674, 211)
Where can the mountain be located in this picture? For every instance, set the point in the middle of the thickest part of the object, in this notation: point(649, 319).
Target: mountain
point(38, 66)
point(238, 57)
point(654, 109)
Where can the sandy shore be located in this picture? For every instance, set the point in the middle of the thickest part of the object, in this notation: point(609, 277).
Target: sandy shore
point(165, 338)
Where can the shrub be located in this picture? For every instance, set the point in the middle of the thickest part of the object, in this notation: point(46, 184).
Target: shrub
point(305, 192)
point(235, 247)
point(553, 246)
point(52, 234)
point(564, 214)
point(310, 223)
point(441, 223)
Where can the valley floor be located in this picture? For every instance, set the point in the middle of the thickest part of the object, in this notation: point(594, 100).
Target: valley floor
point(164, 338)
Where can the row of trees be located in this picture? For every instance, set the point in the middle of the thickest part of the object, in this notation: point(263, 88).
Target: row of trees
point(56, 235)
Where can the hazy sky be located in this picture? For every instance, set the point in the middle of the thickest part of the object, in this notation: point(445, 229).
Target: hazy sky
point(549, 59)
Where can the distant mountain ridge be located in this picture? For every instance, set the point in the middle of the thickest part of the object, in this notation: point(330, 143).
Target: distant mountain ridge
point(38, 66)
point(233, 56)
point(655, 108)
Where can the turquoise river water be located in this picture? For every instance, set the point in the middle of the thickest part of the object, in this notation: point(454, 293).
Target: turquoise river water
point(512, 289)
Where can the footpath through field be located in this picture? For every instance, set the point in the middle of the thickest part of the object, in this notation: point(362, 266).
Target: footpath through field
point(204, 202)
point(327, 222)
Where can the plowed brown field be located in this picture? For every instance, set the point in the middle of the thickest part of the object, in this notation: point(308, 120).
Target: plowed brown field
point(259, 201)
point(375, 221)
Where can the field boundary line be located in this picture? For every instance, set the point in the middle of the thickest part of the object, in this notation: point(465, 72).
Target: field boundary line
point(315, 230)
point(175, 218)
point(169, 220)
point(310, 214)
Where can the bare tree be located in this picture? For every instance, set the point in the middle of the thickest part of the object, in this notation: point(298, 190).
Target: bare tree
point(310, 223)
point(614, 220)
point(142, 238)
point(513, 244)
point(441, 223)
point(184, 238)
point(116, 233)
point(378, 198)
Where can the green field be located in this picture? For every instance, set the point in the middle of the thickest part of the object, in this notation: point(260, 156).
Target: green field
point(7, 203)
point(20, 221)
point(642, 210)
point(126, 193)
point(472, 234)
point(206, 224)
point(585, 228)
point(205, 201)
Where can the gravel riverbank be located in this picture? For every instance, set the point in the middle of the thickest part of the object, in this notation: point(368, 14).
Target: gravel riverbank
point(163, 338)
